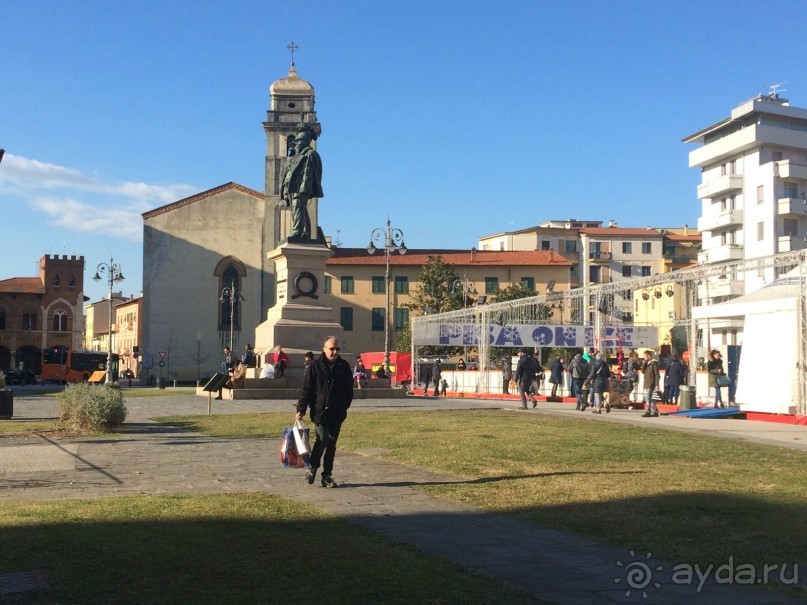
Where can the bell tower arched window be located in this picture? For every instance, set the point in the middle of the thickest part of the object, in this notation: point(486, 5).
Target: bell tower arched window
point(60, 321)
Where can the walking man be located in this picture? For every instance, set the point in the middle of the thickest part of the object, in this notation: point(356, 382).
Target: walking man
point(525, 375)
point(327, 394)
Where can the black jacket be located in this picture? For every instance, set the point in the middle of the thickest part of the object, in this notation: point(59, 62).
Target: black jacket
point(525, 369)
point(327, 390)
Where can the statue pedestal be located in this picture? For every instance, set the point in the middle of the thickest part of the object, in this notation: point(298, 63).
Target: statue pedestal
point(298, 321)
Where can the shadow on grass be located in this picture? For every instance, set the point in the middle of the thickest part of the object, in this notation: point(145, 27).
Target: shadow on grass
point(483, 480)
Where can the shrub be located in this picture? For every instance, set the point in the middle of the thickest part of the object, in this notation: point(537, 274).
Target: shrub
point(92, 408)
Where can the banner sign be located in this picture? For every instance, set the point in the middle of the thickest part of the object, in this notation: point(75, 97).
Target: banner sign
point(537, 335)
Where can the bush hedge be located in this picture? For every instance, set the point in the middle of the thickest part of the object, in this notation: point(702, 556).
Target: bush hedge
point(87, 407)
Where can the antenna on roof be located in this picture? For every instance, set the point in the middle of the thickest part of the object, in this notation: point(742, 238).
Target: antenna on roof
point(775, 89)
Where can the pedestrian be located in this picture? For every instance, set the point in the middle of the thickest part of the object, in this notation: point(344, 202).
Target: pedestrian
point(652, 381)
point(236, 380)
point(427, 377)
point(539, 375)
point(281, 361)
point(525, 375)
point(443, 387)
point(248, 358)
point(597, 380)
point(634, 367)
point(556, 375)
point(308, 358)
point(327, 393)
point(460, 365)
point(507, 375)
point(228, 365)
point(579, 372)
point(715, 369)
point(360, 373)
point(674, 378)
point(436, 373)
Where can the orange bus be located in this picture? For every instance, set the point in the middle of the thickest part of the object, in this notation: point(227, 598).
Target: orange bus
point(60, 364)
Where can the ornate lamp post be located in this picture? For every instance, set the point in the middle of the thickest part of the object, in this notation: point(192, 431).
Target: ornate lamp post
point(464, 285)
point(392, 242)
point(232, 295)
point(113, 275)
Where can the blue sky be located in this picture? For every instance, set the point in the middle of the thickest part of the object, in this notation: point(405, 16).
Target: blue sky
point(457, 118)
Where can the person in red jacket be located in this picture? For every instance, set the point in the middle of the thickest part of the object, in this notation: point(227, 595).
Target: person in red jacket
point(281, 362)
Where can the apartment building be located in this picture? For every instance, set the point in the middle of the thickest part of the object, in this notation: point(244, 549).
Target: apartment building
point(753, 185)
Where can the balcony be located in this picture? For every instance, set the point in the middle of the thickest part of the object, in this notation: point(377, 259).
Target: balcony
point(791, 206)
point(722, 253)
point(723, 220)
point(720, 185)
point(601, 256)
point(789, 170)
point(788, 243)
point(721, 287)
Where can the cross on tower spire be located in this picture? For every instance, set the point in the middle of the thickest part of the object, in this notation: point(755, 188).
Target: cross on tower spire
point(292, 47)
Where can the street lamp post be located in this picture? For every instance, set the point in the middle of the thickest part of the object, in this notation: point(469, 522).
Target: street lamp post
point(113, 275)
point(392, 242)
point(467, 287)
point(232, 294)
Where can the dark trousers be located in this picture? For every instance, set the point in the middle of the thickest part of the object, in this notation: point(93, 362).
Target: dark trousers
point(327, 434)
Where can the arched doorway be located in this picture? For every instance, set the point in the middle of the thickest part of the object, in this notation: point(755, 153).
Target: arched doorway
point(31, 359)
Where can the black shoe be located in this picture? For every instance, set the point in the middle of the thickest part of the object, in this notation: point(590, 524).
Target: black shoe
point(655, 414)
point(310, 475)
point(523, 407)
point(607, 408)
point(646, 415)
point(327, 481)
point(534, 403)
point(219, 397)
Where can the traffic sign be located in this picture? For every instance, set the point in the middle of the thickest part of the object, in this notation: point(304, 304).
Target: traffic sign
point(161, 363)
point(162, 354)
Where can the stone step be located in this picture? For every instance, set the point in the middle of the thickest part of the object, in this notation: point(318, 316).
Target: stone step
point(292, 394)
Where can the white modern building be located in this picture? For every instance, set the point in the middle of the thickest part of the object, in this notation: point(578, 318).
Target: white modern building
point(754, 179)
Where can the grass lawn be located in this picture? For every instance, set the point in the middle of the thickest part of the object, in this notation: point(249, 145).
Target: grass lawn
point(682, 497)
point(245, 548)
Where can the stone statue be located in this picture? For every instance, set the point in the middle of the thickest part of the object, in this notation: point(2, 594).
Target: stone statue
point(302, 181)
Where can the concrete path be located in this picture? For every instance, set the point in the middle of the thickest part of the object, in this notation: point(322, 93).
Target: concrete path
point(550, 565)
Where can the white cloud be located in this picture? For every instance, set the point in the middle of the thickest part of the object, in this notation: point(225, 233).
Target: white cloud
point(125, 223)
point(23, 175)
point(79, 202)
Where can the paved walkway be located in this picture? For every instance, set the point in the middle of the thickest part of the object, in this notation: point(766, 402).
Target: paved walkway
point(551, 565)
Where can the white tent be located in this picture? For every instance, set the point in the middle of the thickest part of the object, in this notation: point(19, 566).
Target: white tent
point(768, 376)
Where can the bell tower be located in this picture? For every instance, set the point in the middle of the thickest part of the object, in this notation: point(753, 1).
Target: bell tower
point(291, 101)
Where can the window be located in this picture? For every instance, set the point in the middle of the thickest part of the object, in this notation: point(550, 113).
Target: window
point(571, 246)
point(401, 318)
point(378, 319)
point(71, 281)
point(29, 321)
point(791, 227)
point(545, 245)
point(594, 274)
point(760, 194)
point(57, 281)
point(60, 321)
point(626, 270)
point(501, 245)
point(378, 284)
point(327, 287)
point(573, 271)
point(724, 204)
point(733, 167)
point(760, 231)
point(401, 284)
point(791, 190)
point(645, 271)
point(346, 318)
point(2, 319)
point(627, 247)
point(491, 284)
point(724, 238)
point(646, 247)
point(528, 283)
point(347, 284)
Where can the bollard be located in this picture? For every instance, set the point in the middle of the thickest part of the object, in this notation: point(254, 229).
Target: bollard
point(685, 398)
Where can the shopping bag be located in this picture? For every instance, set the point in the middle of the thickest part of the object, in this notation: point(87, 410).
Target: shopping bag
point(301, 434)
point(723, 380)
point(288, 451)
